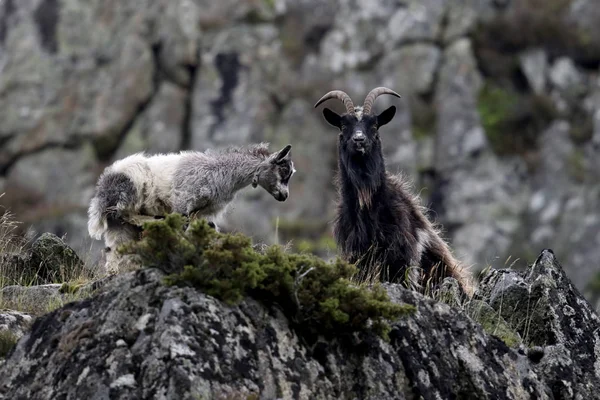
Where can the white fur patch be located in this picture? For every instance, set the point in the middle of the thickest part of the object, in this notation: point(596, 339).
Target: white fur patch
point(423, 241)
point(358, 112)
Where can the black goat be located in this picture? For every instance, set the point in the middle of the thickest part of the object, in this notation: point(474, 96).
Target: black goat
point(380, 225)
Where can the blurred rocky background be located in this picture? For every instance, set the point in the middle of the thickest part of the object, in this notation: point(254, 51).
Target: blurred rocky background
point(499, 124)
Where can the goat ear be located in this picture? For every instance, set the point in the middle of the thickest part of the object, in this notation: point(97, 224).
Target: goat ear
point(332, 118)
point(282, 154)
point(386, 116)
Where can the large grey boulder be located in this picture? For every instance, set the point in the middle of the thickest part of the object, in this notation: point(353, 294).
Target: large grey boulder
point(142, 339)
point(561, 329)
point(47, 260)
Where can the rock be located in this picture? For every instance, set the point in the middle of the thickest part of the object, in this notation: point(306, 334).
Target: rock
point(564, 75)
point(548, 312)
point(36, 300)
point(230, 105)
point(419, 20)
point(419, 66)
point(13, 325)
point(15, 268)
point(40, 299)
point(53, 260)
point(456, 100)
point(492, 322)
point(64, 178)
point(86, 82)
point(534, 64)
point(161, 127)
point(142, 339)
point(583, 15)
point(461, 17)
point(358, 35)
point(491, 225)
point(82, 77)
point(17, 323)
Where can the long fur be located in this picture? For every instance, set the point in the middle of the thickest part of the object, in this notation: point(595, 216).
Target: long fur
point(379, 222)
point(191, 183)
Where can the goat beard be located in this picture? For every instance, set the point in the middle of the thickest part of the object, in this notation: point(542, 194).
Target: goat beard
point(364, 197)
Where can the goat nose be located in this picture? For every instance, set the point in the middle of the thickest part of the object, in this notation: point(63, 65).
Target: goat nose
point(358, 137)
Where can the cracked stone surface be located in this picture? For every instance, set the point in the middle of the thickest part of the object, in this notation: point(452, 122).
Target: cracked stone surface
point(141, 339)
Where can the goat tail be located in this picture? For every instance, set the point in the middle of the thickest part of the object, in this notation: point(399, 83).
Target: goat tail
point(459, 271)
point(438, 262)
point(97, 219)
point(115, 197)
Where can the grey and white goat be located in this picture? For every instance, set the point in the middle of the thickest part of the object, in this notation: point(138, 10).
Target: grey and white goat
point(196, 184)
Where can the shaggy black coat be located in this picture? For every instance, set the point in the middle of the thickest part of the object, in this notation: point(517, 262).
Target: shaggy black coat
point(381, 227)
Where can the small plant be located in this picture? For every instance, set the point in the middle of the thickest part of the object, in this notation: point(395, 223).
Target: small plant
point(7, 342)
point(319, 297)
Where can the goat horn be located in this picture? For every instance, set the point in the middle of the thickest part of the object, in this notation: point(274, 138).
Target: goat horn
point(338, 94)
point(373, 94)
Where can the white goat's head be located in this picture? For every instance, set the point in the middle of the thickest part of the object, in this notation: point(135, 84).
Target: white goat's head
point(274, 173)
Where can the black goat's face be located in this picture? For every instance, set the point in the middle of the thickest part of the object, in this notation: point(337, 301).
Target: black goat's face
point(359, 133)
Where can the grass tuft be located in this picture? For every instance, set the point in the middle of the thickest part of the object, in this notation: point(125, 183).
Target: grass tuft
point(7, 342)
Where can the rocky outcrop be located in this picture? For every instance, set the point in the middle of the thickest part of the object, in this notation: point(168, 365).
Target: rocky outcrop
point(560, 329)
point(142, 339)
point(499, 124)
point(13, 325)
point(47, 260)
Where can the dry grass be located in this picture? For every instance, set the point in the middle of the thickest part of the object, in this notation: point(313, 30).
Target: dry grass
point(18, 276)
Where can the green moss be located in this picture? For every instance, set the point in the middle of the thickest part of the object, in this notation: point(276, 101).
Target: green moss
point(513, 121)
point(292, 229)
point(317, 296)
point(495, 106)
point(492, 322)
point(321, 246)
point(69, 287)
point(7, 342)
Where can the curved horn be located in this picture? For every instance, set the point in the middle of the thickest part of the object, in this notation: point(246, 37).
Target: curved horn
point(338, 94)
point(373, 94)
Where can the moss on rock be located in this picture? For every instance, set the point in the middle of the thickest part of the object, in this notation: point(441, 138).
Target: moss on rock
point(492, 322)
point(513, 121)
point(318, 297)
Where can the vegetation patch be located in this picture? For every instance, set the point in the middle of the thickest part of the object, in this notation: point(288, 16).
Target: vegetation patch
point(306, 236)
point(423, 117)
point(538, 23)
point(318, 297)
point(7, 342)
point(512, 121)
